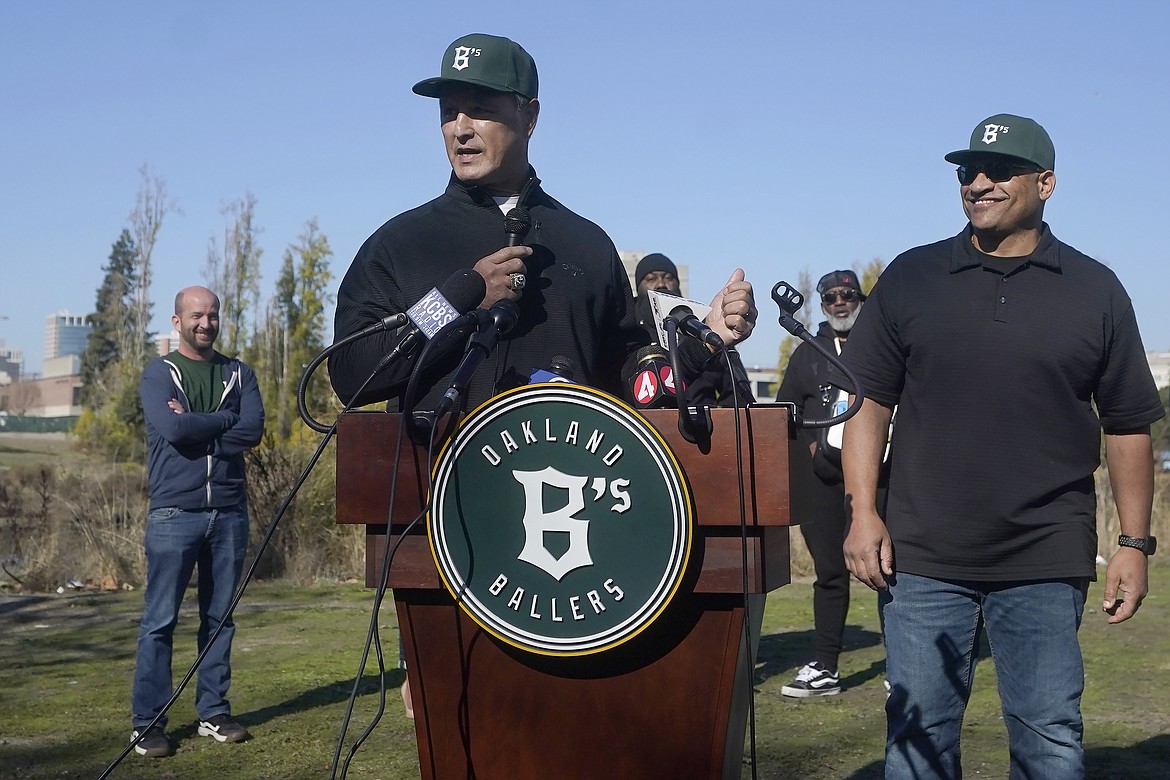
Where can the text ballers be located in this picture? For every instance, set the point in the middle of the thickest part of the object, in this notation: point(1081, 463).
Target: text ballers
point(537, 608)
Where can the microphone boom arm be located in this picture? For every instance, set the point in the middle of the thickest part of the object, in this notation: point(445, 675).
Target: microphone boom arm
point(790, 300)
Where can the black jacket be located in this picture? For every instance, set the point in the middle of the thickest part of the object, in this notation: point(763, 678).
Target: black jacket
point(576, 303)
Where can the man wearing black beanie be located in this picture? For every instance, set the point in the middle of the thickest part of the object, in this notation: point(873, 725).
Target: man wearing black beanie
point(657, 272)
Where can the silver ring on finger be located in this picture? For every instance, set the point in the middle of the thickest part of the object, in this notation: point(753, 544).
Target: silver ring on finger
point(516, 282)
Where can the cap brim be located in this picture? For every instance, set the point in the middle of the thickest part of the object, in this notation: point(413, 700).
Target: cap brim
point(962, 155)
point(434, 87)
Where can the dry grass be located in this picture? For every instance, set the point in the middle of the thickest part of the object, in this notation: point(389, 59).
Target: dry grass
point(66, 517)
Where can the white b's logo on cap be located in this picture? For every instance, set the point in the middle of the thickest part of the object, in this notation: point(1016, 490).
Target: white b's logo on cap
point(462, 56)
point(991, 133)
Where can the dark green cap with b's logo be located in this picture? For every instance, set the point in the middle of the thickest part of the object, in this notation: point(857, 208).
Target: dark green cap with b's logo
point(484, 61)
point(1011, 136)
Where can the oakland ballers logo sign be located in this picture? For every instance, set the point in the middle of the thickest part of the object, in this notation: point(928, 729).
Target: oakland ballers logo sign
point(561, 521)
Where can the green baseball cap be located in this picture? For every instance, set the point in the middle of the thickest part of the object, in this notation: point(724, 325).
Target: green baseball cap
point(485, 61)
point(1011, 136)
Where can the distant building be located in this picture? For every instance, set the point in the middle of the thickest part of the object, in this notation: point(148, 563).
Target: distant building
point(57, 392)
point(65, 365)
point(1159, 367)
point(167, 344)
point(11, 363)
point(58, 396)
point(66, 334)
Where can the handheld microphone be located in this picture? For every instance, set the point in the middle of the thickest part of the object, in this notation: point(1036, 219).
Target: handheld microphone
point(652, 385)
point(560, 369)
point(517, 224)
point(691, 325)
point(504, 315)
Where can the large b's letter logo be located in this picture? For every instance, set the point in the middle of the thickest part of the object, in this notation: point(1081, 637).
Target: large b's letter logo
point(991, 133)
point(462, 57)
point(537, 521)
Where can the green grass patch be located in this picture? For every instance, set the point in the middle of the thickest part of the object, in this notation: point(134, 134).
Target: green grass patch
point(28, 450)
point(68, 662)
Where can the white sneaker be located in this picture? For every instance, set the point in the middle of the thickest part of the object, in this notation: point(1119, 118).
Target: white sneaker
point(813, 680)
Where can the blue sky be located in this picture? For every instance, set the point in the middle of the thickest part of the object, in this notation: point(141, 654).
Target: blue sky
point(769, 135)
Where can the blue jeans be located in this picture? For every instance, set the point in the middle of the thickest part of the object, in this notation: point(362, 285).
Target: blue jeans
point(177, 540)
point(932, 630)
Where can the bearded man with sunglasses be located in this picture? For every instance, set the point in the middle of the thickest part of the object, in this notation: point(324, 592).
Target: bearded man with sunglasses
point(814, 385)
point(1007, 353)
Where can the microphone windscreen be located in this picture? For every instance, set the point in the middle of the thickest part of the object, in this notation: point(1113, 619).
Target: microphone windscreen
point(464, 289)
point(561, 366)
point(652, 351)
point(652, 384)
point(516, 225)
point(461, 292)
point(505, 314)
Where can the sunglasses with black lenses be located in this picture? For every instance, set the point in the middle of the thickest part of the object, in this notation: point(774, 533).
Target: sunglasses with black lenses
point(997, 171)
point(849, 296)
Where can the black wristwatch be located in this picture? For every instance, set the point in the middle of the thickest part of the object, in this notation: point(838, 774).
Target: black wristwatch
point(1146, 544)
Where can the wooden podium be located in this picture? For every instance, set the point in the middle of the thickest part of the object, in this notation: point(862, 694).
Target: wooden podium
point(670, 703)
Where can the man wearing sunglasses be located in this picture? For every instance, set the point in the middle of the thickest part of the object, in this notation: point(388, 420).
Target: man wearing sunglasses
point(814, 385)
point(1008, 353)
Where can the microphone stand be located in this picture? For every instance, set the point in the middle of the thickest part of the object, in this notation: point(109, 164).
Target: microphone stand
point(694, 422)
point(790, 300)
point(503, 316)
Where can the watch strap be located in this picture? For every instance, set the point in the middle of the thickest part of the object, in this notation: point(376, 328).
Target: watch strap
point(1147, 544)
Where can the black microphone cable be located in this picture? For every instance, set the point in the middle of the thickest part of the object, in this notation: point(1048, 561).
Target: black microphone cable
point(389, 551)
point(373, 634)
point(388, 323)
point(694, 422)
point(693, 419)
point(750, 666)
point(699, 420)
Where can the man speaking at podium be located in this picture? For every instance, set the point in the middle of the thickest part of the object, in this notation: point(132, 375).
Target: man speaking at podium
point(562, 271)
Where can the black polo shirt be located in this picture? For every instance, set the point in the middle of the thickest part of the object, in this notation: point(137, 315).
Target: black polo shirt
point(1004, 371)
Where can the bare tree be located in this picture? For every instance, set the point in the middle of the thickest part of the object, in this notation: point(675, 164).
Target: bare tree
point(23, 397)
point(234, 274)
point(146, 220)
